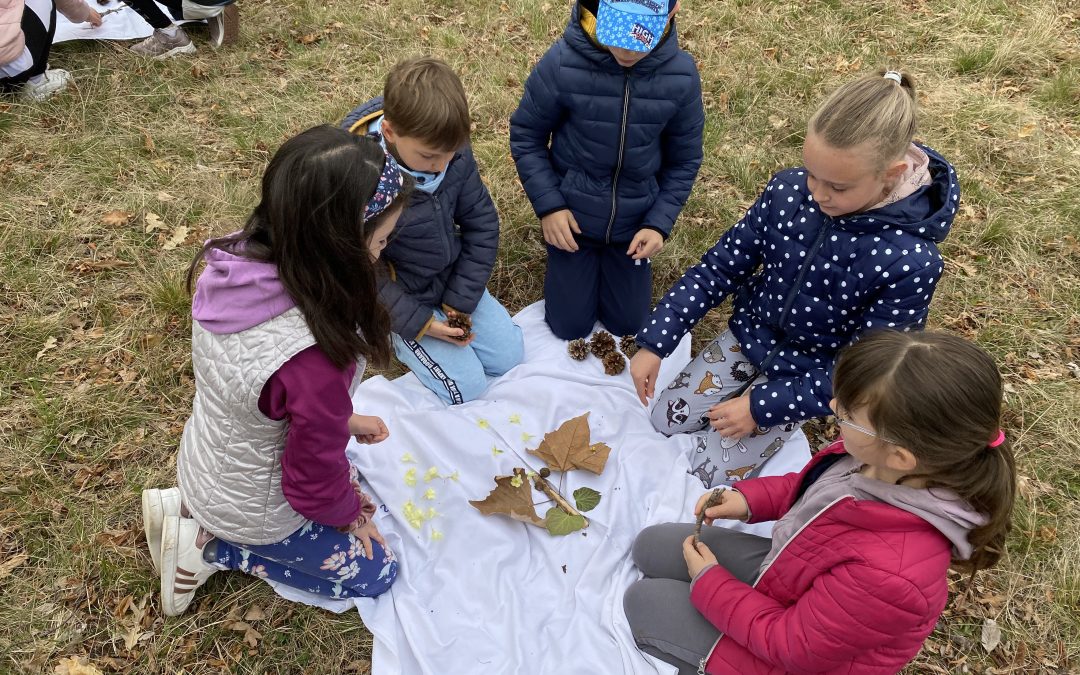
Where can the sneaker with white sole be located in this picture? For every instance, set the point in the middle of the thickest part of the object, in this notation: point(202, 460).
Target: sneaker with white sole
point(182, 566)
point(156, 506)
point(225, 26)
point(51, 82)
point(161, 45)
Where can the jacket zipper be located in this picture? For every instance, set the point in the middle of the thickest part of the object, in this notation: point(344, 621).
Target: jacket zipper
point(703, 661)
point(622, 147)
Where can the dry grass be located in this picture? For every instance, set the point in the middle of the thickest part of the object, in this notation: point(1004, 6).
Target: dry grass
point(95, 378)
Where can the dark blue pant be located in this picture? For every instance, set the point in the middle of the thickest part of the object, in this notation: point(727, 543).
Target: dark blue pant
point(598, 281)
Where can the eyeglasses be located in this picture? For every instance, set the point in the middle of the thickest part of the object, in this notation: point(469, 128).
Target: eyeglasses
point(844, 422)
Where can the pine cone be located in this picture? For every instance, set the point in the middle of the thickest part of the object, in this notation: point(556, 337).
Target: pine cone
point(628, 346)
point(602, 343)
point(614, 363)
point(460, 320)
point(579, 349)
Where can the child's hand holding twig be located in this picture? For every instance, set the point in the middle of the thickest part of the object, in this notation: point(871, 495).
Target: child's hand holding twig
point(732, 507)
point(697, 556)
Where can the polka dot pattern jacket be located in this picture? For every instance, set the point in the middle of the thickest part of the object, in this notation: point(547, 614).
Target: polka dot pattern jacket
point(805, 284)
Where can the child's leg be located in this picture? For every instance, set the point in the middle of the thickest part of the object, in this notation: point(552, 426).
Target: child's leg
point(498, 343)
point(714, 373)
point(658, 550)
point(454, 372)
point(722, 461)
point(625, 290)
point(571, 289)
point(153, 15)
point(317, 559)
point(663, 621)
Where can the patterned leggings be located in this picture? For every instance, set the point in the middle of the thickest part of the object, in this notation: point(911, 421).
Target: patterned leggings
point(317, 559)
point(717, 371)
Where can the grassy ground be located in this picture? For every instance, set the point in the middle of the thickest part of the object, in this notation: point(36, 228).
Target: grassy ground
point(105, 191)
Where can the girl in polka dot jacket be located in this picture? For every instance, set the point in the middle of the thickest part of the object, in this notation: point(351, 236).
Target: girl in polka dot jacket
point(845, 244)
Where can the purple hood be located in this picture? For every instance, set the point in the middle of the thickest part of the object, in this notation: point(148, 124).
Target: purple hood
point(235, 293)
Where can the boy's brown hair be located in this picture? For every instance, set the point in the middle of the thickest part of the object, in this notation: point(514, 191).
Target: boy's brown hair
point(423, 98)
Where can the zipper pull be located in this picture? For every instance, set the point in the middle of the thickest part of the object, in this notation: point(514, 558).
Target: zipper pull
point(701, 666)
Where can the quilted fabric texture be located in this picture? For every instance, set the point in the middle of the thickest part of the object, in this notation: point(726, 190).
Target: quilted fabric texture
point(229, 464)
point(572, 150)
point(806, 284)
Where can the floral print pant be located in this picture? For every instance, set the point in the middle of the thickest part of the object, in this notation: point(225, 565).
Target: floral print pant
point(317, 559)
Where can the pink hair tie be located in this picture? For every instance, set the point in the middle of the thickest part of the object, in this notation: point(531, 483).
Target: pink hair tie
point(997, 441)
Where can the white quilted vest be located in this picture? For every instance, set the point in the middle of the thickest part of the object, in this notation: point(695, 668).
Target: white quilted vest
point(229, 465)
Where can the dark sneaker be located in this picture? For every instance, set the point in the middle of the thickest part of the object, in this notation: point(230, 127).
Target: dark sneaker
point(161, 46)
point(225, 26)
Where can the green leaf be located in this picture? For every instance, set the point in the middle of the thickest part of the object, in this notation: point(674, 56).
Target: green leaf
point(586, 499)
point(560, 522)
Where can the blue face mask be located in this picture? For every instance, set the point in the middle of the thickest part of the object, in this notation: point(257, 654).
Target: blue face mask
point(426, 182)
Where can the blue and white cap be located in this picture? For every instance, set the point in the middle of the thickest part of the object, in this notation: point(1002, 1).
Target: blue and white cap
point(636, 25)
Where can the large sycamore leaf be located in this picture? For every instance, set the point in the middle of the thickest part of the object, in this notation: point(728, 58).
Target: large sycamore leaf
point(568, 447)
point(560, 522)
point(512, 497)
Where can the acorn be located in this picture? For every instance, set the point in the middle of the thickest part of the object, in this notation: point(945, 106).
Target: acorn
point(578, 349)
point(628, 345)
point(614, 363)
point(602, 343)
point(545, 472)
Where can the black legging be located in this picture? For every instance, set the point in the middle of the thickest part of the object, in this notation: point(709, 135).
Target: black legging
point(149, 10)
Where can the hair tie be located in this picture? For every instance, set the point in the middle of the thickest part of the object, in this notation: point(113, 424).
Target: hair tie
point(997, 441)
point(390, 182)
point(894, 76)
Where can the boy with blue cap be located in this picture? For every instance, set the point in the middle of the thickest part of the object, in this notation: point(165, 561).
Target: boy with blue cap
point(607, 142)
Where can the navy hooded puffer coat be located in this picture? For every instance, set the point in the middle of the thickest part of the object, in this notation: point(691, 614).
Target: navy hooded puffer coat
point(806, 284)
point(619, 147)
point(444, 246)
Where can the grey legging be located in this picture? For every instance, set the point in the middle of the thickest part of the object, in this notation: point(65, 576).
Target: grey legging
point(662, 620)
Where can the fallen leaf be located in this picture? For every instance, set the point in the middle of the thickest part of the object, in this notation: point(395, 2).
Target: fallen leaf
point(153, 222)
point(50, 343)
point(559, 522)
point(568, 447)
point(256, 613)
point(586, 499)
point(74, 665)
point(309, 38)
point(116, 218)
point(148, 140)
point(11, 563)
point(165, 197)
point(1027, 130)
point(176, 238)
point(199, 72)
point(991, 635)
point(508, 500)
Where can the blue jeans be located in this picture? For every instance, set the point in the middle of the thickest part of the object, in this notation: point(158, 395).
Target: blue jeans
point(317, 559)
point(458, 374)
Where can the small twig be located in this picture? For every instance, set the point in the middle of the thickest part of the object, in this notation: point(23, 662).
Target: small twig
point(715, 499)
point(544, 486)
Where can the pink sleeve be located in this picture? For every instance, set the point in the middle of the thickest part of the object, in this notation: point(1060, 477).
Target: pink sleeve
point(313, 395)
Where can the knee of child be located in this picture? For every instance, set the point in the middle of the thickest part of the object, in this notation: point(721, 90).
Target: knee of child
point(471, 384)
point(642, 551)
point(569, 327)
point(382, 584)
point(635, 603)
point(508, 355)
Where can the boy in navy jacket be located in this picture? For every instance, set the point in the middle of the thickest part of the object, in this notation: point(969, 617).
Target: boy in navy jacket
point(607, 142)
point(443, 249)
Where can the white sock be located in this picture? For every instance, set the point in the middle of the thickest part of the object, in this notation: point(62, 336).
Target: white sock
point(171, 30)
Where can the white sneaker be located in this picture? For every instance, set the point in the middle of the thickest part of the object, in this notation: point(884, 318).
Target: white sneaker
point(52, 81)
point(182, 566)
point(156, 506)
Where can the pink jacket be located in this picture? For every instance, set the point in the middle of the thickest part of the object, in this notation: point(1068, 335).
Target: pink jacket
point(11, 35)
point(856, 590)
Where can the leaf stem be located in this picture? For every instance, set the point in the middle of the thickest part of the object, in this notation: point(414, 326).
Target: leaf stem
point(546, 487)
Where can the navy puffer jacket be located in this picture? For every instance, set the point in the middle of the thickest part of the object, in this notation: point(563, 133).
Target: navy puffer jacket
point(822, 281)
point(619, 147)
point(444, 245)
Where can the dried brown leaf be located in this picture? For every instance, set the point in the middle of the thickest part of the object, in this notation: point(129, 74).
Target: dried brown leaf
point(512, 497)
point(116, 218)
point(9, 565)
point(74, 665)
point(568, 447)
point(255, 613)
point(175, 239)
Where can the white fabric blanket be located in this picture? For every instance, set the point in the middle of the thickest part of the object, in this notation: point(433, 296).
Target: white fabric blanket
point(125, 24)
point(486, 594)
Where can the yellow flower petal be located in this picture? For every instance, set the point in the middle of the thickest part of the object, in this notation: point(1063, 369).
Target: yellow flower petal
point(429, 494)
point(407, 458)
point(454, 476)
point(483, 423)
point(515, 419)
point(410, 477)
point(526, 437)
point(495, 452)
point(432, 473)
point(436, 535)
